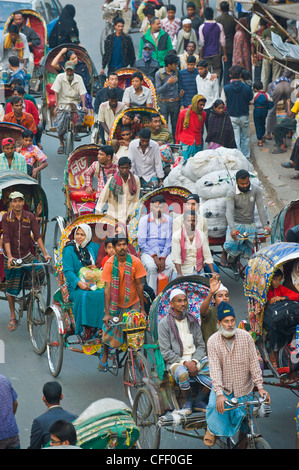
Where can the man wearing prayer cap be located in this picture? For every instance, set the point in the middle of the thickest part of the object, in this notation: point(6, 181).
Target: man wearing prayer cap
point(208, 309)
point(235, 370)
point(185, 35)
point(182, 347)
point(9, 158)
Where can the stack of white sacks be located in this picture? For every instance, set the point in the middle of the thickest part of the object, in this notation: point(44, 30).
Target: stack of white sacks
point(211, 174)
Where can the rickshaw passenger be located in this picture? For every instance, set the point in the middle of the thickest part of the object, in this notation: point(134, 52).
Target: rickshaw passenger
point(101, 96)
point(234, 370)
point(32, 37)
point(88, 305)
point(190, 248)
point(69, 89)
point(10, 159)
point(109, 110)
point(109, 250)
point(102, 170)
point(13, 43)
point(124, 142)
point(146, 159)
point(121, 192)
point(128, 119)
point(208, 313)
point(241, 202)
point(18, 116)
point(154, 237)
point(182, 347)
point(33, 154)
point(17, 82)
point(118, 229)
point(123, 274)
point(17, 227)
point(64, 55)
point(159, 133)
point(192, 203)
point(15, 71)
point(137, 95)
point(279, 292)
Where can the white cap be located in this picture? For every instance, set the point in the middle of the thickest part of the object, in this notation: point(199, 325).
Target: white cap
point(186, 21)
point(176, 292)
point(222, 287)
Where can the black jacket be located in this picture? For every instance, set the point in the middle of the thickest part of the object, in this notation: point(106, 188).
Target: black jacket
point(128, 51)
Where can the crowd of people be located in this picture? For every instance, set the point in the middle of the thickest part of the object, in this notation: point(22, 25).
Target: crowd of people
point(200, 66)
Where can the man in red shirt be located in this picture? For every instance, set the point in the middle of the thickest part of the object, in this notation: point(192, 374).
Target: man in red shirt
point(18, 116)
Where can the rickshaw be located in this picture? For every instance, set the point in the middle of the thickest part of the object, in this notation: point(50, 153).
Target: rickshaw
point(158, 403)
point(125, 77)
point(287, 218)
point(175, 198)
point(49, 74)
point(61, 324)
point(34, 296)
point(35, 21)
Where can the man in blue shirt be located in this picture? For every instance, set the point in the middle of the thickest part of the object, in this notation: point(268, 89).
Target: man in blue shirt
point(154, 237)
point(187, 82)
point(118, 49)
point(9, 432)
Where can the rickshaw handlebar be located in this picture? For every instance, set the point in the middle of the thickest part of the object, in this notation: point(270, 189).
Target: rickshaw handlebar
point(246, 236)
point(234, 403)
point(17, 263)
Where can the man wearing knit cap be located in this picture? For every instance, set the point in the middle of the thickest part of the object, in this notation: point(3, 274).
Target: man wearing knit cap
point(183, 351)
point(234, 370)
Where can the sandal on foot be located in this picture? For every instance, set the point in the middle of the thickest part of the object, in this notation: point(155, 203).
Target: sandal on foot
point(13, 324)
point(260, 143)
point(224, 264)
point(296, 177)
point(209, 439)
point(287, 165)
point(60, 150)
point(102, 367)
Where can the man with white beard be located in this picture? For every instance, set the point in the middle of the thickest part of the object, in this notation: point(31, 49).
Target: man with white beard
point(234, 371)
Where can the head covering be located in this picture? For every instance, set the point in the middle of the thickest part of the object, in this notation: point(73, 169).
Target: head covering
point(65, 30)
point(176, 292)
point(224, 310)
point(193, 107)
point(87, 230)
point(186, 21)
point(194, 197)
point(69, 65)
point(7, 141)
point(222, 287)
point(16, 194)
point(148, 45)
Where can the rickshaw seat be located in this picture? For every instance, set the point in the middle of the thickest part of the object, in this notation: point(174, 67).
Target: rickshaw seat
point(50, 95)
point(216, 241)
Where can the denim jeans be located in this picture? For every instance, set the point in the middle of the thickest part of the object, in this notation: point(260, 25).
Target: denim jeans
point(241, 130)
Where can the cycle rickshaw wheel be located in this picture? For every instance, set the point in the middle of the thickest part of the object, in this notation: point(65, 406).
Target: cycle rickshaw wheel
point(55, 344)
point(257, 443)
point(136, 368)
point(37, 323)
point(146, 418)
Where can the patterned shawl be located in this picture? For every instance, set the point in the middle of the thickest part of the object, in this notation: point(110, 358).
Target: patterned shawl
point(116, 185)
point(115, 283)
point(18, 46)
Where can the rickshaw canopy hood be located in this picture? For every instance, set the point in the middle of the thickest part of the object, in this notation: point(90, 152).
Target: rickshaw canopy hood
point(263, 264)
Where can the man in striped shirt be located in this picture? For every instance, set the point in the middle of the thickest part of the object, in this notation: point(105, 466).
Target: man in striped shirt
point(102, 170)
point(10, 159)
point(234, 370)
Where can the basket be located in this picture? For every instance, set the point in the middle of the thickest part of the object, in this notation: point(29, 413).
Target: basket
point(134, 324)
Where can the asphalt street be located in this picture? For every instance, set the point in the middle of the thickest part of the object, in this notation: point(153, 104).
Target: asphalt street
point(82, 384)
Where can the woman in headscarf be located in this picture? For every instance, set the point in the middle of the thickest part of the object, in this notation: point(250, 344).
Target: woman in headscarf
point(242, 46)
point(65, 30)
point(220, 129)
point(88, 305)
point(190, 126)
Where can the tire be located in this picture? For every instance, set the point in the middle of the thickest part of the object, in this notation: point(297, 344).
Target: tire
point(55, 344)
point(37, 323)
point(69, 145)
point(146, 418)
point(257, 443)
point(183, 7)
point(136, 368)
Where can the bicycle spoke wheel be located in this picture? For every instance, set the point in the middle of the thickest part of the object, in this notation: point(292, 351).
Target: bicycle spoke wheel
point(145, 416)
point(136, 368)
point(55, 345)
point(37, 323)
point(256, 443)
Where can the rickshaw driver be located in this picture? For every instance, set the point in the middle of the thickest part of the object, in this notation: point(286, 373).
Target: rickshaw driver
point(123, 275)
point(69, 88)
point(17, 227)
point(182, 347)
point(241, 202)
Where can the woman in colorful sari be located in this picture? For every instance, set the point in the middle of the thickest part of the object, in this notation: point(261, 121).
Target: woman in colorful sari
point(88, 305)
point(242, 46)
point(190, 127)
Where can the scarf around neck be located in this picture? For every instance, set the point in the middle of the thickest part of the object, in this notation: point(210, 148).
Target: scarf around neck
point(115, 283)
point(173, 327)
point(18, 46)
point(116, 185)
point(193, 107)
point(199, 251)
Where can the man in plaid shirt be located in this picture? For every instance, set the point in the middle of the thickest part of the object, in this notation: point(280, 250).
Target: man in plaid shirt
point(234, 370)
point(10, 159)
point(102, 169)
